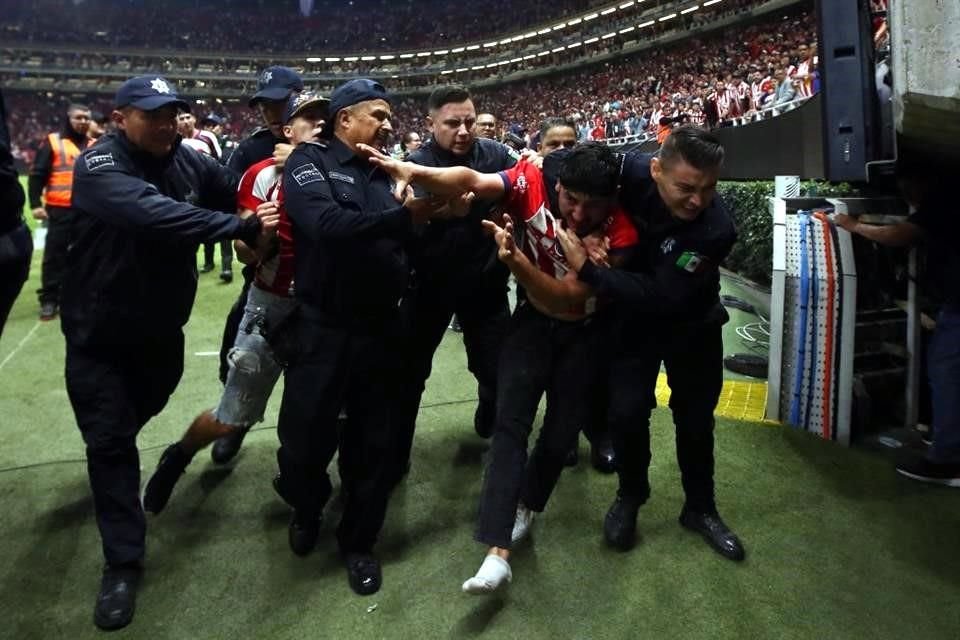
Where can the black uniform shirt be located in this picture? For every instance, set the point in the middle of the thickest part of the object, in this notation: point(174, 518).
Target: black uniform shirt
point(131, 268)
point(675, 273)
point(259, 146)
point(459, 247)
point(349, 232)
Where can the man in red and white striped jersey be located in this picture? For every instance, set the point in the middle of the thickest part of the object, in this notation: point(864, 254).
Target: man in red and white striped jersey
point(254, 366)
point(555, 341)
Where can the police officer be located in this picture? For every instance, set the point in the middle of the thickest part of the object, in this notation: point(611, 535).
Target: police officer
point(16, 246)
point(670, 314)
point(274, 87)
point(144, 203)
point(456, 270)
point(51, 178)
point(351, 274)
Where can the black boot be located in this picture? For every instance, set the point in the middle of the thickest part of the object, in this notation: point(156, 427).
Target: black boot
point(303, 533)
point(620, 523)
point(118, 596)
point(363, 572)
point(602, 455)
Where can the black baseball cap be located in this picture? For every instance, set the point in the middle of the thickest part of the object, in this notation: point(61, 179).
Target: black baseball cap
point(300, 102)
point(277, 83)
point(148, 93)
point(352, 92)
point(211, 117)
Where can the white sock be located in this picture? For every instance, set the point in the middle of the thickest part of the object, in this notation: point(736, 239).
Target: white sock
point(492, 574)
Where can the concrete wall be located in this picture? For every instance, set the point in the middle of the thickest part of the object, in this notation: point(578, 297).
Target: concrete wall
point(926, 73)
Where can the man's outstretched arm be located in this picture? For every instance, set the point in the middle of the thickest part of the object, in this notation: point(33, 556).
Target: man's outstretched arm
point(444, 182)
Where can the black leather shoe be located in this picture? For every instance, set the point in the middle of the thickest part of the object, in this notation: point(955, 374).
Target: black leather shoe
point(171, 466)
point(226, 448)
point(118, 596)
point(207, 268)
point(602, 456)
point(620, 523)
point(363, 572)
point(573, 457)
point(713, 529)
point(226, 276)
point(303, 533)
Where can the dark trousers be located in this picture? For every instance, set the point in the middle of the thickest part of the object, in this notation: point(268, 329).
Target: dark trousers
point(484, 315)
point(16, 249)
point(60, 222)
point(226, 254)
point(540, 355)
point(944, 368)
point(693, 358)
point(114, 392)
point(341, 368)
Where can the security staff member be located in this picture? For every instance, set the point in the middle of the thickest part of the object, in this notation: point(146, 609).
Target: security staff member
point(274, 87)
point(16, 246)
point(351, 274)
point(456, 270)
point(51, 178)
point(128, 291)
point(671, 314)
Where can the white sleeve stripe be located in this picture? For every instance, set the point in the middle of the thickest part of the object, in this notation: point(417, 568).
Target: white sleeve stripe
point(263, 184)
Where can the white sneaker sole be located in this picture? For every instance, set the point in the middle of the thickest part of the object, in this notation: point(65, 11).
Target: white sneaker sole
point(946, 482)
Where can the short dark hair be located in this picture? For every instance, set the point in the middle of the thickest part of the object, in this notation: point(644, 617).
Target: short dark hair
point(407, 136)
point(446, 94)
point(591, 168)
point(76, 106)
point(697, 147)
point(553, 123)
point(99, 117)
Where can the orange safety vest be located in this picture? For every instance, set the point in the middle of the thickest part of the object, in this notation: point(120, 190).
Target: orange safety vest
point(662, 132)
point(59, 191)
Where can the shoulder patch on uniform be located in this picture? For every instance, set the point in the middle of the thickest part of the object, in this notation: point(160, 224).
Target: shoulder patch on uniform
point(98, 160)
point(692, 262)
point(342, 177)
point(307, 173)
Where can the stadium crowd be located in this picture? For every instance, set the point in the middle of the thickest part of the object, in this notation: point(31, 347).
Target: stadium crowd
point(192, 26)
point(624, 97)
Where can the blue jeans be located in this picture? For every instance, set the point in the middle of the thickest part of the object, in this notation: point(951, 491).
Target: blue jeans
point(253, 369)
point(944, 372)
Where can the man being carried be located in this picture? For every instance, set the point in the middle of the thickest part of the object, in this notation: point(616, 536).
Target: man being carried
point(551, 342)
point(254, 367)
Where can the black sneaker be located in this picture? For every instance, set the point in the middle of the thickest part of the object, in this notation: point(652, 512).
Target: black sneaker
point(227, 276)
point(924, 470)
point(207, 268)
point(226, 448)
point(172, 464)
